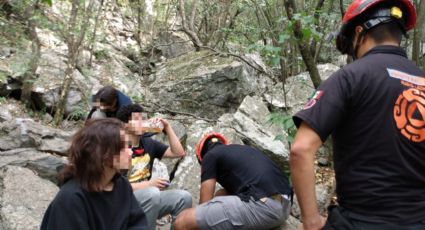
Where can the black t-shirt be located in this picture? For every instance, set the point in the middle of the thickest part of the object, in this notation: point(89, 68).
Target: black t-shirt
point(75, 208)
point(375, 110)
point(244, 171)
point(143, 157)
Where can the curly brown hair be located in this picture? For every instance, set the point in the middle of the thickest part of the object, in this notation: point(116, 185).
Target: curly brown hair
point(91, 152)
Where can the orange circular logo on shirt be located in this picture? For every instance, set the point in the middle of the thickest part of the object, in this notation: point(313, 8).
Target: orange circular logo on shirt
point(409, 114)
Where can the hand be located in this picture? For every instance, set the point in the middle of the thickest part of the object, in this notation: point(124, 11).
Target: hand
point(316, 224)
point(162, 120)
point(159, 182)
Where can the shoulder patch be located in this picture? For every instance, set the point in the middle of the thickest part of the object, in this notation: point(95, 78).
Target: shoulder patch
point(313, 100)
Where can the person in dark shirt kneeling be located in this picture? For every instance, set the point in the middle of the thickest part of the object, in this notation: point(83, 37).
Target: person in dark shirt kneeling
point(255, 193)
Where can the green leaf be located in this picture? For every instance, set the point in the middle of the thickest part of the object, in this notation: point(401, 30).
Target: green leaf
point(306, 32)
point(48, 2)
point(275, 60)
point(283, 38)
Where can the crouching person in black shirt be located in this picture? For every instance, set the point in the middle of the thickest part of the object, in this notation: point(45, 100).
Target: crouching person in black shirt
point(254, 195)
point(93, 194)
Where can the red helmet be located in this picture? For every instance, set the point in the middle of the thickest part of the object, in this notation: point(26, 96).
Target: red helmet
point(406, 12)
point(204, 139)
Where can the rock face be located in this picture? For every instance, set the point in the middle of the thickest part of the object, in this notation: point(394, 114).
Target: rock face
point(174, 44)
point(299, 89)
point(21, 207)
point(251, 123)
point(24, 133)
point(203, 84)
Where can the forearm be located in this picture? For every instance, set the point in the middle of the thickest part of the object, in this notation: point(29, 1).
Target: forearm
point(207, 190)
point(303, 179)
point(175, 145)
point(303, 152)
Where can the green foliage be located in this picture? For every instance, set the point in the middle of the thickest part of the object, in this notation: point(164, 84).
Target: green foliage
point(48, 2)
point(3, 100)
point(270, 52)
point(101, 54)
point(80, 113)
point(137, 98)
point(3, 77)
point(286, 123)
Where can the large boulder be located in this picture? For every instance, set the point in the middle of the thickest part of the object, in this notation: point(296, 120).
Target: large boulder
point(25, 133)
point(251, 123)
point(203, 83)
point(174, 44)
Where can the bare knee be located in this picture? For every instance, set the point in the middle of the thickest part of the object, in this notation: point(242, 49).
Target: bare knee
point(186, 220)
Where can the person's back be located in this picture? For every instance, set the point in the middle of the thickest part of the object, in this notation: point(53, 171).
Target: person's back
point(374, 109)
point(245, 171)
point(255, 194)
point(376, 147)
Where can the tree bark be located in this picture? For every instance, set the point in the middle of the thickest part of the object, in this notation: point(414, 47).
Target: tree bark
point(93, 38)
point(74, 42)
point(418, 34)
point(303, 45)
point(319, 6)
point(30, 75)
point(189, 29)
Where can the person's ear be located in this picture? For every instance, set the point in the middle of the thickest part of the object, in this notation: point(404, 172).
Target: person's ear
point(358, 31)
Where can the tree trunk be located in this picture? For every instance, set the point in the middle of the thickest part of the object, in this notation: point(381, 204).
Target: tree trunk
point(30, 75)
point(74, 42)
point(303, 45)
point(319, 6)
point(93, 38)
point(418, 33)
point(60, 109)
point(188, 28)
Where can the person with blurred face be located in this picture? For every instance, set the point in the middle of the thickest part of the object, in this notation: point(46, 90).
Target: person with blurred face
point(150, 192)
point(107, 101)
point(93, 193)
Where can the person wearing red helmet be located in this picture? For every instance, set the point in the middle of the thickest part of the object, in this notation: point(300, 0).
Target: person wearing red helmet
point(255, 192)
point(374, 108)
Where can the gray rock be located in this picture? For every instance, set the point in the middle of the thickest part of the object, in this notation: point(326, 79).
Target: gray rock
point(46, 165)
point(22, 133)
point(174, 44)
point(250, 122)
point(203, 84)
point(24, 197)
point(323, 195)
point(299, 88)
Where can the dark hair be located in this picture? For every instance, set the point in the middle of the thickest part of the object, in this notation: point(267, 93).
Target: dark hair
point(208, 145)
point(91, 151)
point(385, 31)
point(106, 95)
point(124, 113)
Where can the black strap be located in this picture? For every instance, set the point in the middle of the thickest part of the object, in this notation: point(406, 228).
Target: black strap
point(93, 109)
